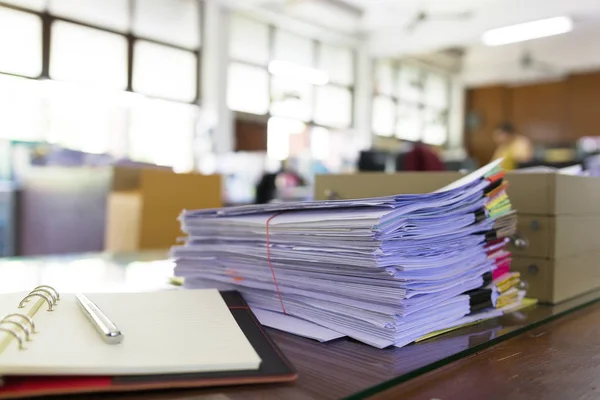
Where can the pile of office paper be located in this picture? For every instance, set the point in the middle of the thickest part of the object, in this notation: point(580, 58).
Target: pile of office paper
point(384, 271)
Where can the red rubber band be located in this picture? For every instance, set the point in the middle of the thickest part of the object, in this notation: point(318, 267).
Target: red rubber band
point(269, 261)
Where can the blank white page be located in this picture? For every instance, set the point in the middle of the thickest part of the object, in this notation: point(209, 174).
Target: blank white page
point(164, 332)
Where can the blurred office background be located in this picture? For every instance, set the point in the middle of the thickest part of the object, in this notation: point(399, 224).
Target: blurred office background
point(241, 87)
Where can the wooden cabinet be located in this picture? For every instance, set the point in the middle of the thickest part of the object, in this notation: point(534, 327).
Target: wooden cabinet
point(550, 113)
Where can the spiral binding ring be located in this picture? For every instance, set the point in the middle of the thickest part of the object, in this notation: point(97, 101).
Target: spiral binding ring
point(37, 294)
point(23, 317)
point(15, 335)
point(56, 294)
point(48, 292)
point(20, 325)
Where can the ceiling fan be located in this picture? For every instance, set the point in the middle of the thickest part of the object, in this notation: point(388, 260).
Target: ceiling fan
point(527, 61)
point(424, 16)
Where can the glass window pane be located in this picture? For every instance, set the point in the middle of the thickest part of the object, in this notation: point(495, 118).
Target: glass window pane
point(291, 98)
point(171, 21)
point(80, 119)
point(280, 136)
point(248, 89)
point(113, 14)
point(333, 107)
point(410, 122)
point(320, 143)
point(37, 5)
point(384, 113)
point(436, 91)
point(163, 71)
point(249, 40)
point(293, 48)
point(410, 86)
point(22, 56)
point(338, 62)
point(21, 103)
point(86, 55)
point(436, 128)
point(162, 132)
point(384, 78)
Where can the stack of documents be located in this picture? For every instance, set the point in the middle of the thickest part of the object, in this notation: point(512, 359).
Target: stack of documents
point(385, 271)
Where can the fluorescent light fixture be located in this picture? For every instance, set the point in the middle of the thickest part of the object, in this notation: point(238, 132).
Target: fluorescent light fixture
point(527, 31)
point(290, 70)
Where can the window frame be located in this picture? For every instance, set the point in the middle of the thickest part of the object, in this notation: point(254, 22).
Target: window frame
point(421, 104)
point(48, 19)
point(316, 47)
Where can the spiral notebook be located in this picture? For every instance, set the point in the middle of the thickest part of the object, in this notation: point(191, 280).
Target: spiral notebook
point(176, 338)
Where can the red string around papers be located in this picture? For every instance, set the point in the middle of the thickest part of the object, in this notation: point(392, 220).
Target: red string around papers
point(269, 261)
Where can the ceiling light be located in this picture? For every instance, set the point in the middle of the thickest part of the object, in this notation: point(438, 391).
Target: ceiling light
point(527, 31)
point(290, 70)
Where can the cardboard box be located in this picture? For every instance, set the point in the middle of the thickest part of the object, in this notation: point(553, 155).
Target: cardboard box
point(375, 184)
point(554, 194)
point(555, 236)
point(556, 280)
point(559, 220)
point(144, 204)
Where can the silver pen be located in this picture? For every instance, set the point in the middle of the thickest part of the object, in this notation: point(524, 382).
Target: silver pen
point(108, 331)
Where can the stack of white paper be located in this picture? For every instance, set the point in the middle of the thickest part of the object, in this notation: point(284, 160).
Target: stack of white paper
point(384, 271)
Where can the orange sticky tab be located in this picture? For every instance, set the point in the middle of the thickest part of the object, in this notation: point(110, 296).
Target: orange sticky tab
point(499, 189)
point(495, 177)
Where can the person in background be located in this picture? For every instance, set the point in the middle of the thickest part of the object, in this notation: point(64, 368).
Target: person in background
point(422, 158)
point(511, 146)
point(267, 187)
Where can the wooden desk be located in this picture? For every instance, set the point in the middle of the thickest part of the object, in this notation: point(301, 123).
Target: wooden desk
point(345, 368)
point(559, 360)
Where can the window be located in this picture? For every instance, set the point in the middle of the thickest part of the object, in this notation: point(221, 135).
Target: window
point(437, 91)
point(36, 5)
point(84, 106)
point(288, 76)
point(85, 55)
point(435, 129)
point(409, 123)
point(163, 71)
point(410, 102)
point(319, 143)
point(162, 133)
point(112, 14)
point(410, 85)
point(293, 48)
point(248, 89)
point(21, 103)
point(84, 121)
point(291, 98)
point(333, 107)
point(280, 132)
point(384, 78)
point(338, 62)
point(249, 41)
point(22, 56)
point(175, 22)
point(384, 114)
